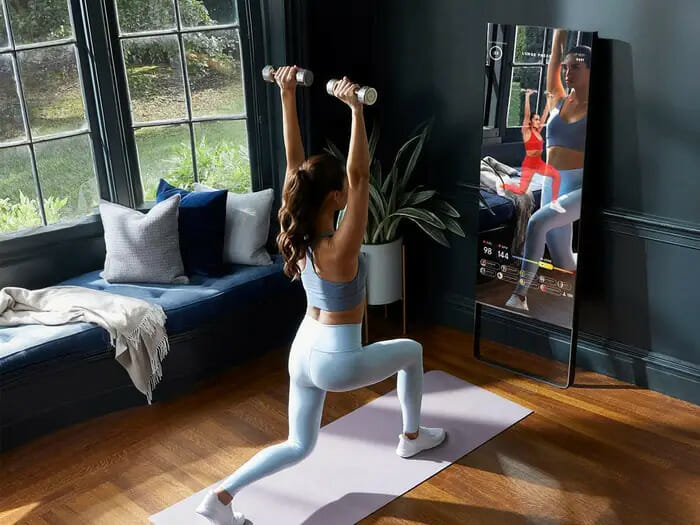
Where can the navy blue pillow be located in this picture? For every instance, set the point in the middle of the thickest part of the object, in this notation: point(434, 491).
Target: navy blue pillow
point(201, 226)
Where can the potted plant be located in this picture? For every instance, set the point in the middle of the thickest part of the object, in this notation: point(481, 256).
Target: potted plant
point(392, 199)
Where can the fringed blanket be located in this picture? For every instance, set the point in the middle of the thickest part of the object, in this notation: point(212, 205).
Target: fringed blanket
point(492, 172)
point(136, 327)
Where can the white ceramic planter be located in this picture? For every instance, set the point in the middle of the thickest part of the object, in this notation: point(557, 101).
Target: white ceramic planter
point(384, 276)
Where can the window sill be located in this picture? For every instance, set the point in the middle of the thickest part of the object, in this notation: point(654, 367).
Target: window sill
point(17, 244)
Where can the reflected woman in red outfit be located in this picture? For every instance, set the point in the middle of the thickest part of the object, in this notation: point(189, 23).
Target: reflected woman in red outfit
point(533, 163)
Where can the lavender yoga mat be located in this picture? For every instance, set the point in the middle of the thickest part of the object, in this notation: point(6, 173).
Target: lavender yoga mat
point(354, 469)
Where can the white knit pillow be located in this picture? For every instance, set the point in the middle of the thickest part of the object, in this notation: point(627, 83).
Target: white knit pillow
point(247, 226)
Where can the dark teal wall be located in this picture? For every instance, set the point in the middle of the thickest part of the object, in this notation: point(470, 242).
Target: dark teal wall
point(640, 292)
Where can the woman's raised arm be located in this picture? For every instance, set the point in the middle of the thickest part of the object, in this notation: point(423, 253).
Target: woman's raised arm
point(348, 238)
point(554, 83)
point(285, 77)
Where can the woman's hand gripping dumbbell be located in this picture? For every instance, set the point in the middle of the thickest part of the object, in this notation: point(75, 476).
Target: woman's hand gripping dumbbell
point(365, 95)
point(287, 74)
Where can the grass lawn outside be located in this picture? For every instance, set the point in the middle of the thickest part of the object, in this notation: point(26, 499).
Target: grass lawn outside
point(66, 167)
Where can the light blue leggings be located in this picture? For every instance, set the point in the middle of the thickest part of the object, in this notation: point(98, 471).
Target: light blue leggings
point(331, 358)
point(555, 229)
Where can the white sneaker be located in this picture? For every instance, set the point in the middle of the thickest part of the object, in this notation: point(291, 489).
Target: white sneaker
point(218, 513)
point(518, 303)
point(556, 206)
point(427, 438)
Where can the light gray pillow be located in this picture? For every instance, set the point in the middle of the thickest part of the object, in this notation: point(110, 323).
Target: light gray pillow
point(247, 226)
point(142, 248)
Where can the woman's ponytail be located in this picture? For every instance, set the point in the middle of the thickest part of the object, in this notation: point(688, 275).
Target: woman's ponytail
point(302, 196)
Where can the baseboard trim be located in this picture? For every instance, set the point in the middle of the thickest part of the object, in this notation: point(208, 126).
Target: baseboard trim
point(647, 369)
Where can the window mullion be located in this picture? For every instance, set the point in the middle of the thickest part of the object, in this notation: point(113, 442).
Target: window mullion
point(46, 45)
point(116, 105)
point(188, 91)
point(86, 63)
point(25, 113)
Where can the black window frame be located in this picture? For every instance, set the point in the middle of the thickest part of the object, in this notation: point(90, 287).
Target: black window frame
point(93, 127)
point(109, 118)
point(248, 67)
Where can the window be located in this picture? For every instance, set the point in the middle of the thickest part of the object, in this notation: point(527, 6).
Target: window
point(528, 70)
point(47, 162)
point(183, 66)
point(102, 99)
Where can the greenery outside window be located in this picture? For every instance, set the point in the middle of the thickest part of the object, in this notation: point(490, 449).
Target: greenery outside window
point(47, 162)
point(183, 65)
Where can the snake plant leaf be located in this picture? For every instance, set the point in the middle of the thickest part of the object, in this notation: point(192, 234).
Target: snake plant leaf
point(374, 210)
point(428, 123)
point(376, 198)
point(415, 214)
point(433, 232)
point(414, 158)
point(423, 215)
point(395, 167)
point(376, 173)
point(333, 150)
point(392, 228)
point(373, 140)
point(341, 215)
point(393, 196)
point(453, 226)
point(444, 207)
point(417, 197)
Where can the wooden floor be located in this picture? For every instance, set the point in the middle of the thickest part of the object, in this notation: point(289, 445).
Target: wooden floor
point(602, 452)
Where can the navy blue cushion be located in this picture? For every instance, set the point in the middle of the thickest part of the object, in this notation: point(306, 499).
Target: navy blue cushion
point(187, 306)
point(502, 207)
point(202, 223)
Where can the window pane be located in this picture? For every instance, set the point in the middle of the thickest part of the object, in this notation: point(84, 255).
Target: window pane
point(214, 70)
point(154, 72)
point(3, 32)
point(11, 126)
point(523, 78)
point(145, 16)
point(222, 155)
point(39, 21)
point(529, 42)
point(52, 90)
point(67, 177)
point(19, 207)
point(164, 152)
point(211, 12)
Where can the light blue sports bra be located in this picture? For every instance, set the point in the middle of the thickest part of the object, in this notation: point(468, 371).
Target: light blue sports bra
point(333, 296)
point(566, 134)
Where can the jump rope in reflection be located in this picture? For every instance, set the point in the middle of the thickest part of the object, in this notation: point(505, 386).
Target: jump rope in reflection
point(545, 265)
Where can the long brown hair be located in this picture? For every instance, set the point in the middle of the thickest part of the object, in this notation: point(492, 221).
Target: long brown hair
point(303, 195)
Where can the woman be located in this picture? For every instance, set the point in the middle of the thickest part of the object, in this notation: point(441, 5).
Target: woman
point(533, 162)
point(566, 139)
point(327, 352)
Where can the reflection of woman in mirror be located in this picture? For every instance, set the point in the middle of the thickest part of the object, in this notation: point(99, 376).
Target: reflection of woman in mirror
point(566, 137)
point(533, 163)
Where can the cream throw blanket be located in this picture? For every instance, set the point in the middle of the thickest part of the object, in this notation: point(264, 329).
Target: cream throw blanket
point(136, 327)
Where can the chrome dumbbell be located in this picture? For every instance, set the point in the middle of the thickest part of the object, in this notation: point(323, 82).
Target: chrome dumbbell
point(366, 95)
point(304, 76)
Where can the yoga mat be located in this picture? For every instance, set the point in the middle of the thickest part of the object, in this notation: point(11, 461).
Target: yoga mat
point(354, 469)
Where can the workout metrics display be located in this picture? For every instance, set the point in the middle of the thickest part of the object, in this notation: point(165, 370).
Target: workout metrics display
point(531, 169)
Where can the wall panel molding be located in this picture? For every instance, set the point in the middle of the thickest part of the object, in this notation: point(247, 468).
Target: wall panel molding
point(642, 367)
